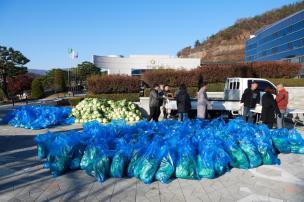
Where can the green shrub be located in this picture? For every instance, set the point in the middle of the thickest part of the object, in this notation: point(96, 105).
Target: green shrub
point(216, 87)
point(134, 97)
point(289, 82)
point(37, 89)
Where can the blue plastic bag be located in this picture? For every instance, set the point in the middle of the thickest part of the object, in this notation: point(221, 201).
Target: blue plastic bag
point(212, 159)
point(76, 156)
point(150, 161)
point(238, 157)
point(91, 153)
point(167, 166)
point(249, 148)
point(280, 140)
point(101, 166)
point(222, 162)
point(139, 148)
point(120, 159)
point(65, 152)
point(296, 142)
point(265, 145)
point(43, 144)
point(186, 162)
point(205, 161)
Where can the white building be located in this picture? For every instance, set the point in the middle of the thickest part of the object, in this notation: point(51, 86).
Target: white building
point(136, 64)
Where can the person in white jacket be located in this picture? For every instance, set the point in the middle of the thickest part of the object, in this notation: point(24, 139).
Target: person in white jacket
point(202, 102)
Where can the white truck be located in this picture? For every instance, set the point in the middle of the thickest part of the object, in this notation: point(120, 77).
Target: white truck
point(230, 103)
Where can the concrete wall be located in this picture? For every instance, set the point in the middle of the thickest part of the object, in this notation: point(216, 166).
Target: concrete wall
point(123, 65)
point(296, 97)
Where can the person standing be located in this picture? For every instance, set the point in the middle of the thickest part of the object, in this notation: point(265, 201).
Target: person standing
point(250, 98)
point(282, 102)
point(269, 108)
point(26, 100)
point(183, 102)
point(168, 92)
point(161, 94)
point(202, 102)
point(167, 95)
point(154, 106)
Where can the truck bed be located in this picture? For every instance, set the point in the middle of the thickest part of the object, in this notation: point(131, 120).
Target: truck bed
point(216, 104)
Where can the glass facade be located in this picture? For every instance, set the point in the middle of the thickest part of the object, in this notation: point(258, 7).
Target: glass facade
point(281, 40)
point(137, 72)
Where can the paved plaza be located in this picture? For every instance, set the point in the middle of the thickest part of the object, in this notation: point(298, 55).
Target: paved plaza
point(22, 178)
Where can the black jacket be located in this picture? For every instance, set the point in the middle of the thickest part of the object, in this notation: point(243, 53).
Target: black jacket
point(183, 101)
point(154, 98)
point(161, 95)
point(269, 108)
point(250, 98)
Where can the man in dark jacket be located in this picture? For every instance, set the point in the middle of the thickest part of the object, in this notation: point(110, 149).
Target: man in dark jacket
point(250, 98)
point(183, 102)
point(154, 103)
point(269, 108)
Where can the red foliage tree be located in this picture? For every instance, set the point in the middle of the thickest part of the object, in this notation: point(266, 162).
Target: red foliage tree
point(17, 85)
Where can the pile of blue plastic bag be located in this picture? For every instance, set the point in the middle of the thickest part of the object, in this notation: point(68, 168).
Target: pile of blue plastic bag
point(39, 117)
point(169, 149)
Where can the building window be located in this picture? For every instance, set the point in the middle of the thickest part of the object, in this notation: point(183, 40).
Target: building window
point(137, 72)
point(301, 59)
point(288, 60)
point(274, 50)
point(275, 35)
point(298, 43)
point(290, 46)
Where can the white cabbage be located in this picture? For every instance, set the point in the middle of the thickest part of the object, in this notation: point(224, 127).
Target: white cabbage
point(105, 111)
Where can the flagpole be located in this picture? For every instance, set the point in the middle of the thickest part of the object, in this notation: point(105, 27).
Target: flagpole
point(69, 86)
point(69, 83)
point(73, 56)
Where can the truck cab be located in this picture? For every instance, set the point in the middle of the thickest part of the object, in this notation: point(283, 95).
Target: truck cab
point(235, 87)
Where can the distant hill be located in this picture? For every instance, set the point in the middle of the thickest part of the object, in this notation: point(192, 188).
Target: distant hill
point(228, 45)
point(39, 72)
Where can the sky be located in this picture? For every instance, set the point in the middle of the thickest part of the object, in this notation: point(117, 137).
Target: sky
point(43, 30)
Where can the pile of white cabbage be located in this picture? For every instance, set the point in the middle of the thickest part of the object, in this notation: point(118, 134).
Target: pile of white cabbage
point(104, 110)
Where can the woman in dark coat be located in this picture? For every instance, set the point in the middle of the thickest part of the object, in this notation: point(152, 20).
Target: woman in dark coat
point(269, 108)
point(183, 102)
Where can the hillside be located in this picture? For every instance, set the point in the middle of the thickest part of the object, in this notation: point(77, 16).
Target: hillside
point(228, 45)
point(39, 72)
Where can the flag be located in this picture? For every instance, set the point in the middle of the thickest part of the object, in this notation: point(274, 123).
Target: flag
point(72, 53)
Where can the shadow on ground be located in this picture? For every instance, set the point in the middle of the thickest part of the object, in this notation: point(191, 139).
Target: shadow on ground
point(15, 142)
